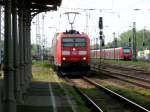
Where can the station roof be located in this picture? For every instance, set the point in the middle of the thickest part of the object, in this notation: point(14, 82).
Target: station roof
point(45, 5)
point(38, 5)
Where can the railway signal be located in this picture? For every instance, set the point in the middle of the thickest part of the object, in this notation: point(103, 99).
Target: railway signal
point(101, 31)
point(101, 35)
point(103, 42)
point(100, 23)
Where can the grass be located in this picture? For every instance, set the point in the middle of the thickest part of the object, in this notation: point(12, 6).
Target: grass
point(42, 72)
point(105, 101)
point(45, 64)
point(81, 104)
point(133, 95)
point(70, 91)
point(141, 97)
point(139, 64)
point(1, 75)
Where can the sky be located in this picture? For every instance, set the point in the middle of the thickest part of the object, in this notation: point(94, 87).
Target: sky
point(118, 16)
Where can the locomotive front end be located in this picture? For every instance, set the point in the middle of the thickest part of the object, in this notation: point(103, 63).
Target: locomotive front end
point(75, 53)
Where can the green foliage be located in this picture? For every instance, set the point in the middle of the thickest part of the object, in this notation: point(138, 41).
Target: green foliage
point(45, 64)
point(80, 102)
point(124, 39)
point(133, 95)
point(34, 49)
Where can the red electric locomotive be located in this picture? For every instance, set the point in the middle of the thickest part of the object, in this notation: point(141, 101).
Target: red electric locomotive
point(71, 51)
point(121, 53)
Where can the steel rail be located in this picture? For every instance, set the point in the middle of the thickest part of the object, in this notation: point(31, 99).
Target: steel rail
point(127, 101)
point(132, 82)
point(124, 75)
point(89, 100)
point(85, 97)
point(129, 68)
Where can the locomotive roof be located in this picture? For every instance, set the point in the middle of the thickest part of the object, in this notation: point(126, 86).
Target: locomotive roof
point(69, 34)
point(73, 35)
point(73, 32)
point(118, 48)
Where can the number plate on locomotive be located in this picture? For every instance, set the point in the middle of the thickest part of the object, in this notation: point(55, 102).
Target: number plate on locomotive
point(74, 52)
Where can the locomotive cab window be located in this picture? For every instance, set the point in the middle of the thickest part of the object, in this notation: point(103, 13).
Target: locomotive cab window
point(126, 50)
point(73, 42)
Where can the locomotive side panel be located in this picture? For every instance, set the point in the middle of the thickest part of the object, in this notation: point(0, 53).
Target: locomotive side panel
point(88, 49)
point(121, 53)
point(58, 50)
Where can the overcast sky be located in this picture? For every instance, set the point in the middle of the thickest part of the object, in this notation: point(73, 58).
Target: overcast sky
point(118, 16)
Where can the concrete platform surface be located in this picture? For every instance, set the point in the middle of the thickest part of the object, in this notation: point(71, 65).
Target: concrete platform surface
point(45, 97)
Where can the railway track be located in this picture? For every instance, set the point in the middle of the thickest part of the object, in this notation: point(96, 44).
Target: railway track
point(126, 68)
point(126, 76)
point(103, 99)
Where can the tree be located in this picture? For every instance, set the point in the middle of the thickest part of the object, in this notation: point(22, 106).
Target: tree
point(126, 36)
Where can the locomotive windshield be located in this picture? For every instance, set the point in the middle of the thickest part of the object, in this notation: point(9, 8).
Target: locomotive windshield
point(73, 42)
point(126, 50)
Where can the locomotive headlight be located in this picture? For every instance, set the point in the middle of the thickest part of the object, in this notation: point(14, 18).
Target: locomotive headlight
point(64, 58)
point(84, 58)
point(74, 49)
point(82, 52)
point(65, 52)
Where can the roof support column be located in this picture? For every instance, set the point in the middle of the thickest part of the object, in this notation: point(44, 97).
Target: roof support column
point(29, 47)
point(25, 48)
point(9, 98)
point(16, 54)
point(21, 51)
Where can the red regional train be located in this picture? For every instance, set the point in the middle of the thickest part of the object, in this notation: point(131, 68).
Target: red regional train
point(71, 51)
point(121, 53)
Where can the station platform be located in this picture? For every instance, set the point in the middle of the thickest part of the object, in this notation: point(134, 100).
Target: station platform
point(1, 85)
point(47, 97)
